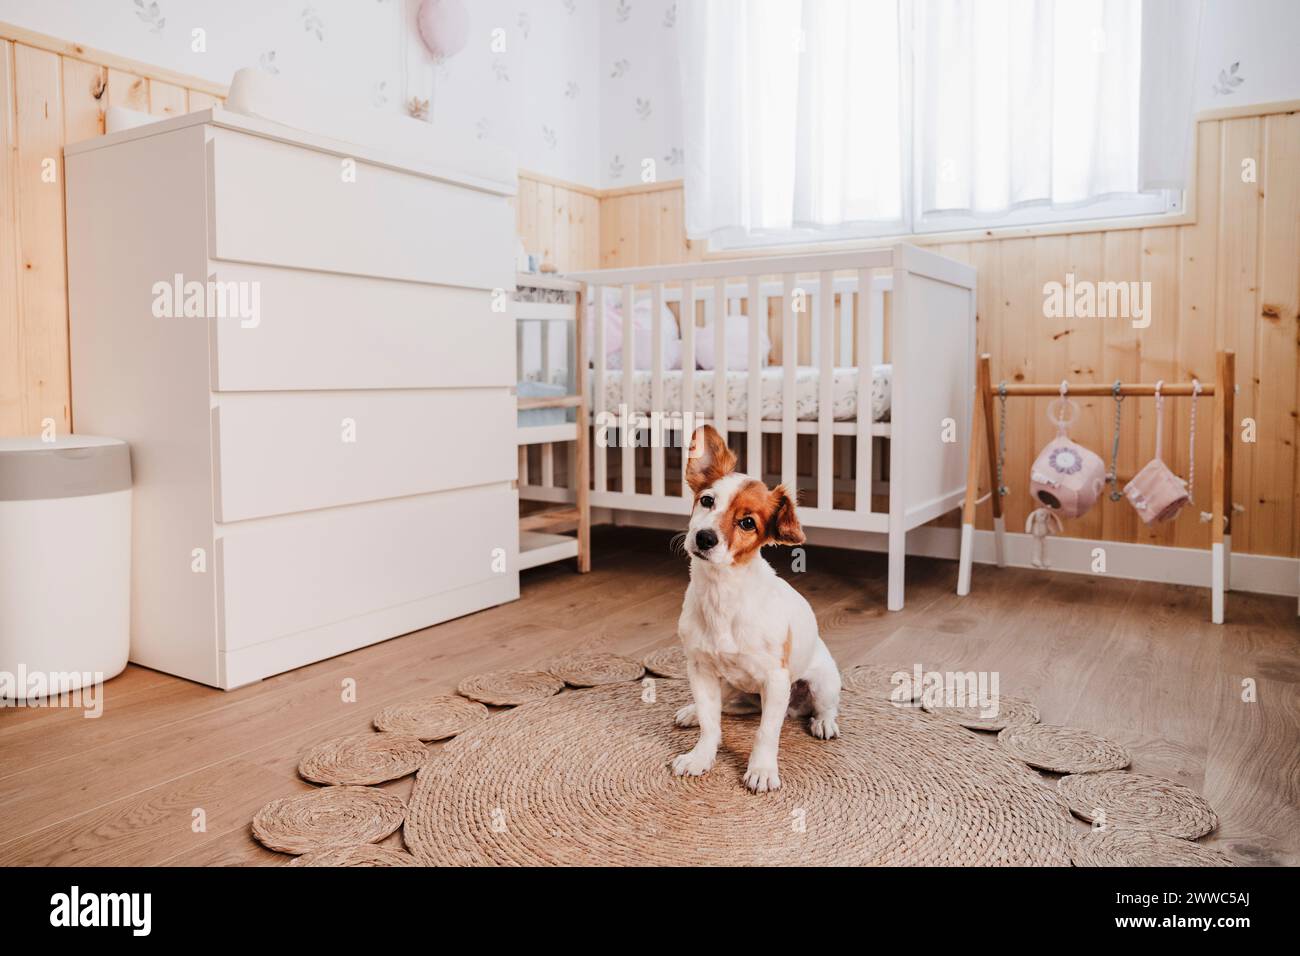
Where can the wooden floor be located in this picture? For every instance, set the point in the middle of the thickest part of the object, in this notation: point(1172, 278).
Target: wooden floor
point(1137, 662)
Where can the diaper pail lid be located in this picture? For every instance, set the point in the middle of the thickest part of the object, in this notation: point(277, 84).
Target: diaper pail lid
point(70, 467)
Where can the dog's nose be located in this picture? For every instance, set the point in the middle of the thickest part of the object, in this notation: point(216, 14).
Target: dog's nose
point(706, 539)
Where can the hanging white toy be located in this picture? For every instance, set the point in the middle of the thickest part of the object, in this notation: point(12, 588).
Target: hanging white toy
point(1040, 523)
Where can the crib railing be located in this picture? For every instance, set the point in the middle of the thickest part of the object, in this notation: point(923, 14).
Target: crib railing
point(834, 303)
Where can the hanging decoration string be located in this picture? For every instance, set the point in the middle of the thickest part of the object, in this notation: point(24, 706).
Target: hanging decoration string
point(1113, 478)
point(1191, 445)
point(1003, 490)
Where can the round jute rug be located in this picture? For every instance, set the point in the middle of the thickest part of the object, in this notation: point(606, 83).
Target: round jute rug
point(1010, 711)
point(667, 661)
point(877, 680)
point(431, 718)
point(1116, 847)
point(1063, 749)
point(1138, 801)
point(583, 778)
point(328, 817)
point(509, 688)
point(365, 854)
point(593, 668)
point(363, 759)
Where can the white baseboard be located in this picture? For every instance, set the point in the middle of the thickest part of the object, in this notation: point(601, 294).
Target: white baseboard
point(1261, 574)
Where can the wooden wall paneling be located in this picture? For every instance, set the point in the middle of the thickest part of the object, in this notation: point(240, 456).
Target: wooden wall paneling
point(647, 226)
point(198, 100)
point(545, 223)
point(1121, 258)
point(1159, 354)
point(1021, 317)
point(526, 215)
point(84, 87)
point(165, 99)
point(1277, 339)
point(128, 90)
point(13, 380)
point(1197, 263)
point(986, 257)
point(592, 217)
point(619, 232)
point(1236, 299)
point(561, 234)
point(1083, 349)
point(42, 270)
point(671, 238)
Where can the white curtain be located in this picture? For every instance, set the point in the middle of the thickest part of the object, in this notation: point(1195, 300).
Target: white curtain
point(793, 114)
point(820, 114)
point(1050, 102)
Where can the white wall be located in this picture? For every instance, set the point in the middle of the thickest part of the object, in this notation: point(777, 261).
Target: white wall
point(1261, 36)
point(552, 96)
point(539, 96)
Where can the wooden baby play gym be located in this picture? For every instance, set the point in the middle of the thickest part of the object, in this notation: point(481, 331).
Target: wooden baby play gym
point(1220, 515)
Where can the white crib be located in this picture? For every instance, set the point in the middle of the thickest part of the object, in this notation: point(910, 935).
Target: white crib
point(845, 314)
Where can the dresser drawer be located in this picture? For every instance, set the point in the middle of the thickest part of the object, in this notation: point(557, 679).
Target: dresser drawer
point(318, 330)
point(301, 572)
point(280, 204)
point(277, 453)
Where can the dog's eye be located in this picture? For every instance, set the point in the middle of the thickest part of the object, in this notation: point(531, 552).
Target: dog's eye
point(707, 501)
point(747, 524)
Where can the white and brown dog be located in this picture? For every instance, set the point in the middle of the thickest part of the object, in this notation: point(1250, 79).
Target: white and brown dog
point(750, 638)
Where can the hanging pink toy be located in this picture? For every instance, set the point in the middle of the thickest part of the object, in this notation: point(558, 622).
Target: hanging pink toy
point(1066, 477)
point(444, 27)
point(1155, 491)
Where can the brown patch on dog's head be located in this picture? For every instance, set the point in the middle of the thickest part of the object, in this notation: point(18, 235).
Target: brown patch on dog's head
point(783, 523)
point(709, 459)
point(757, 516)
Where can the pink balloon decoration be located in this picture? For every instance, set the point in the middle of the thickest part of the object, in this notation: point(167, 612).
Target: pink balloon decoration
point(444, 27)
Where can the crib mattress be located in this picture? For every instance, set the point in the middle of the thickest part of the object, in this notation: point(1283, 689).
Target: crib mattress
point(807, 393)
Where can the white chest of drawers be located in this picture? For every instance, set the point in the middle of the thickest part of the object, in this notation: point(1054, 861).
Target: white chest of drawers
point(333, 467)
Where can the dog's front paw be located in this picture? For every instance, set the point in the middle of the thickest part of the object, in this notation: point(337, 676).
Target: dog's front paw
point(761, 778)
point(692, 764)
point(823, 728)
point(687, 717)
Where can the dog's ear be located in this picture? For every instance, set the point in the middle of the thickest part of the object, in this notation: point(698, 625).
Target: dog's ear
point(709, 458)
point(782, 523)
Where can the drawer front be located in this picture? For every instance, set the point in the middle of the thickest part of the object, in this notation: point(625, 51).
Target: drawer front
point(309, 571)
point(316, 330)
point(279, 453)
point(278, 204)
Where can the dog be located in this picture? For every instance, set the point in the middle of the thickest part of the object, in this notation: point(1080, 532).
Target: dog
point(751, 640)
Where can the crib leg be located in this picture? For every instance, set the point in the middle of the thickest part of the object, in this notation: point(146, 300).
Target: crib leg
point(897, 553)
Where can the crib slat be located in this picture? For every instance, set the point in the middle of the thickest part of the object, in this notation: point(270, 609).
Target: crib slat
point(599, 461)
point(546, 351)
point(656, 389)
point(789, 360)
point(720, 415)
point(626, 429)
point(753, 415)
point(687, 309)
point(548, 465)
point(523, 466)
point(866, 385)
point(826, 399)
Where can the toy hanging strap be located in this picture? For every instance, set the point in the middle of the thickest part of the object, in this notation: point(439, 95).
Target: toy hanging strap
point(1003, 490)
point(1113, 478)
point(1191, 444)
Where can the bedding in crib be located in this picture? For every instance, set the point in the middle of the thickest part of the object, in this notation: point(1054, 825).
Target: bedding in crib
point(807, 393)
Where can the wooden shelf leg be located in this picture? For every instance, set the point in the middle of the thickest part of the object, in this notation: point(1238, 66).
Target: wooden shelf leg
point(982, 384)
point(1219, 555)
point(991, 440)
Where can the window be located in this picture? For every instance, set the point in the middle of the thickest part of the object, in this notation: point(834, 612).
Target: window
point(834, 119)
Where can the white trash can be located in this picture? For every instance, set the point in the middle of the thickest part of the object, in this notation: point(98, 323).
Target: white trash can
point(65, 563)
